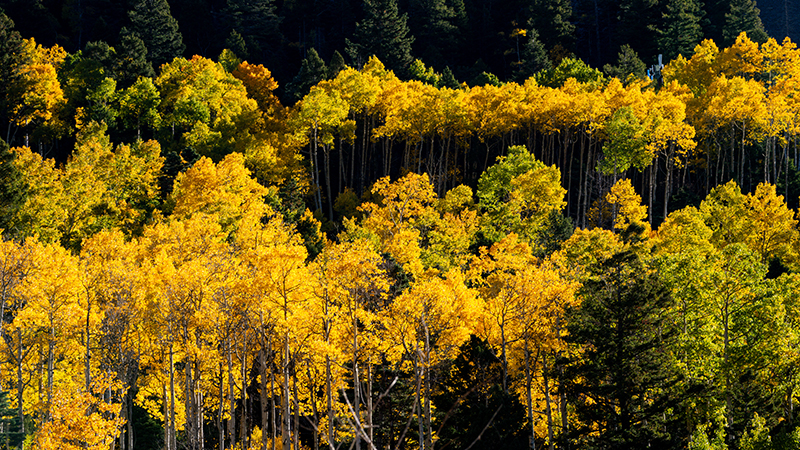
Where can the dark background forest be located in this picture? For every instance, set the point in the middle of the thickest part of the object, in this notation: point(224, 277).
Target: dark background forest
point(468, 36)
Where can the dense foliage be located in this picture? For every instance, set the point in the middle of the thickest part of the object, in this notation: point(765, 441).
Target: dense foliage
point(572, 260)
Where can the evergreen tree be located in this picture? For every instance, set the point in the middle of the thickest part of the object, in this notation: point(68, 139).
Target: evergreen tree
point(680, 28)
point(12, 196)
point(449, 80)
point(10, 60)
point(628, 64)
point(534, 56)
point(153, 23)
point(236, 44)
point(312, 71)
point(383, 33)
point(132, 60)
point(621, 384)
point(258, 24)
point(743, 15)
point(635, 21)
point(436, 30)
point(551, 19)
point(336, 65)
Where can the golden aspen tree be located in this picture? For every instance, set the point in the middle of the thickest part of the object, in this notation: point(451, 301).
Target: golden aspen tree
point(42, 213)
point(225, 190)
point(207, 107)
point(38, 95)
point(348, 289)
point(319, 115)
point(183, 265)
point(620, 208)
point(275, 259)
point(114, 290)
point(424, 327)
point(668, 135)
point(47, 327)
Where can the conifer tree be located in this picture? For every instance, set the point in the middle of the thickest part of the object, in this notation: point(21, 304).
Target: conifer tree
point(628, 63)
point(10, 55)
point(237, 44)
point(449, 80)
point(534, 56)
point(680, 29)
point(336, 65)
point(436, 30)
point(743, 16)
point(153, 23)
point(621, 384)
point(383, 33)
point(12, 188)
point(132, 61)
point(312, 71)
point(551, 19)
point(257, 23)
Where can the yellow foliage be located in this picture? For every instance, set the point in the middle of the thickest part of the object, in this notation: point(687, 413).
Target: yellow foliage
point(82, 420)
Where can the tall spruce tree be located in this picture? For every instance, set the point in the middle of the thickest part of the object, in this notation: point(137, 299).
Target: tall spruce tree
point(132, 61)
point(10, 61)
point(743, 16)
point(628, 64)
point(534, 56)
point(552, 20)
point(13, 191)
point(620, 385)
point(436, 30)
point(384, 33)
point(312, 71)
point(153, 23)
point(257, 22)
point(680, 28)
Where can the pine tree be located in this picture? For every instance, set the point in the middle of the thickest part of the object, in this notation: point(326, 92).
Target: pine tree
point(551, 19)
point(383, 33)
point(449, 80)
point(680, 29)
point(534, 56)
point(10, 60)
point(743, 16)
point(628, 63)
point(11, 435)
point(258, 24)
point(312, 71)
point(436, 30)
point(153, 23)
point(132, 60)
point(237, 44)
point(12, 190)
point(621, 384)
point(336, 65)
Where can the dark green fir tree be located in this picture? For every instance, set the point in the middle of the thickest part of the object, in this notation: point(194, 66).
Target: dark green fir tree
point(383, 33)
point(435, 25)
point(552, 20)
point(534, 56)
point(153, 23)
point(680, 28)
point(312, 71)
point(336, 65)
point(13, 191)
point(449, 80)
point(237, 44)
point(132, 61)
point(622, 384)
point(743, 16)
point(10, 60)
point(629, 65)
point(257, 22)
